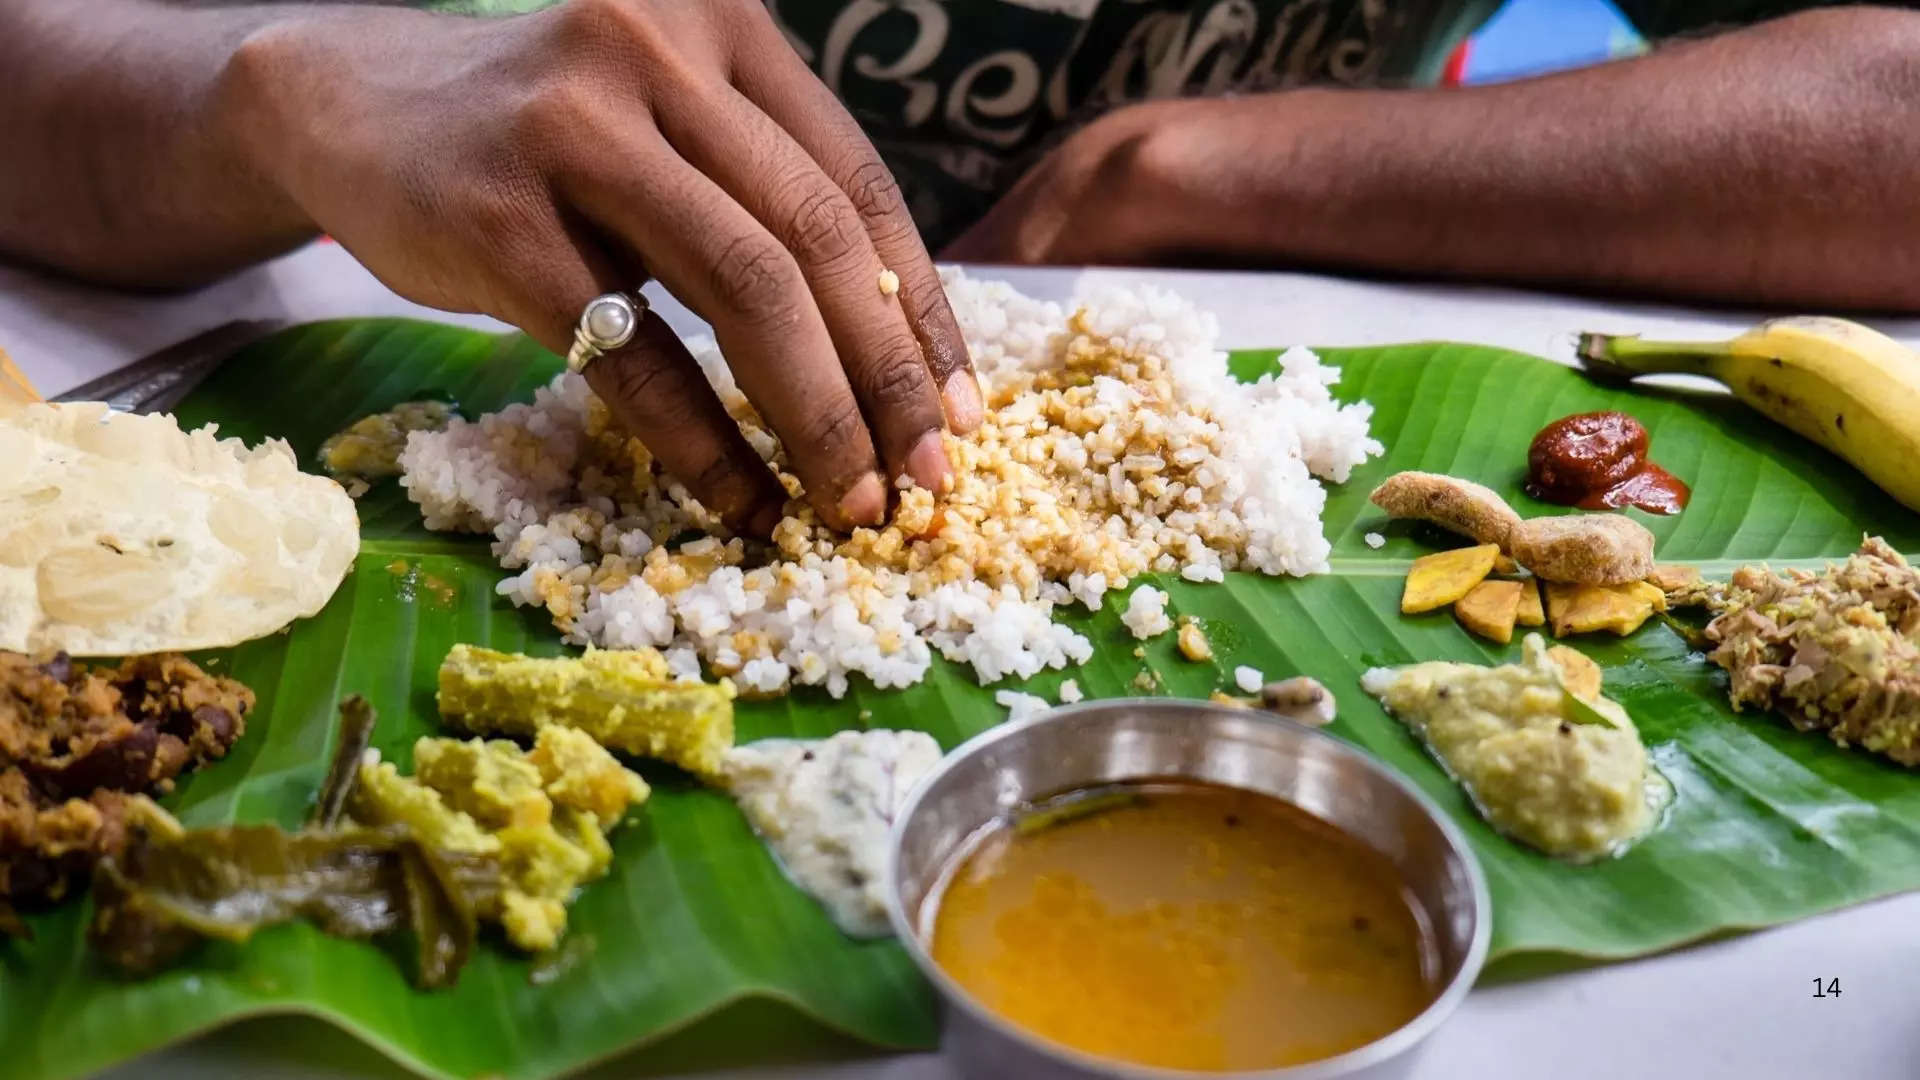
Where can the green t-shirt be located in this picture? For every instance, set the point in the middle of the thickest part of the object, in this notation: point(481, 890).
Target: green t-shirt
point(960, 96)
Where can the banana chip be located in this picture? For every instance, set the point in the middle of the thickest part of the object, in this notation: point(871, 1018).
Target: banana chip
point(122, 534)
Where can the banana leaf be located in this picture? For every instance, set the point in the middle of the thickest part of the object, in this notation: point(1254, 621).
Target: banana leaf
point(696, 929)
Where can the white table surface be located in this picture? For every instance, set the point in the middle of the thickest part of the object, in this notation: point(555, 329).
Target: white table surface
point(1741, 1007)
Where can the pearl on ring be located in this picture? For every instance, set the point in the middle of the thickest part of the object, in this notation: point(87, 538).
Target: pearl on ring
point(609, 321)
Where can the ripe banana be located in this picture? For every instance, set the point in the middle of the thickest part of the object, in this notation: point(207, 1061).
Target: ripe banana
point(1847, 387)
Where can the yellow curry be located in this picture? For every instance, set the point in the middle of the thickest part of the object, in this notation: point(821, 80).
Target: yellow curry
point(1186, 926)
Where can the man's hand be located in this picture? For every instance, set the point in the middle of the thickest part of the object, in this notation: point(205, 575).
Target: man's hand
point(520, 167)
point(1092, 199)
point(1770, 165)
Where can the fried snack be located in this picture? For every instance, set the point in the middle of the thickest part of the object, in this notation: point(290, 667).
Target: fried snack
point(625, 700)
point(1655, 596)
point(1668, 577)
point(1593, 549)
point(1491, 608)
point(125, 535)
point(1461, 506)
point(1834, 651)
point(1585, 609)
point(1442, 578)
point(1578, 671)
point(1585, 549)
point(1531, 611)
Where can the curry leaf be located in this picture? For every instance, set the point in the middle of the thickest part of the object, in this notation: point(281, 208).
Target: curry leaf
point(1576, 710)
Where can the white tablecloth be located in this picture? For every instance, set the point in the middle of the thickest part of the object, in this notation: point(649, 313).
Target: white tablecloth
point(1742, 1007)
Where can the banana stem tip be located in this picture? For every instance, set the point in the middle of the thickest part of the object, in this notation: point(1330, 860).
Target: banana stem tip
point(1623, 356)
point(1596, 353)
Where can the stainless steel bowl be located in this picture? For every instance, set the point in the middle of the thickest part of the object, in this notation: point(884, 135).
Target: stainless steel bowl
point(1104, 742)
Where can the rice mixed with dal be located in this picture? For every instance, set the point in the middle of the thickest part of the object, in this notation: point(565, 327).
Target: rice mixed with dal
point(1115, 444)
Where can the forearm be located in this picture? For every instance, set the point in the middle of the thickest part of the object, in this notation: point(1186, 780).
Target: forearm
point(126, 161)
point(1780, 163)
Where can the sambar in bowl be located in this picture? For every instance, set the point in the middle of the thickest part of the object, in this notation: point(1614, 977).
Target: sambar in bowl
point(1158, 888)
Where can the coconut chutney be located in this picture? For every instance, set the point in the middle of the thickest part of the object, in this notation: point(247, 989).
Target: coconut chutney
point(826, 806)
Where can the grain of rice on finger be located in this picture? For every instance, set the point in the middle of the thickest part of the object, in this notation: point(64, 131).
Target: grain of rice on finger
point(1115, 444)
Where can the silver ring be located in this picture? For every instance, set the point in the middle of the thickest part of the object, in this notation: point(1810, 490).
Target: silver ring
point(606, 323)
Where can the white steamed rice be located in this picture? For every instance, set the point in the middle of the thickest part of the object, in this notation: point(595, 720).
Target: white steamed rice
point(1249, 458)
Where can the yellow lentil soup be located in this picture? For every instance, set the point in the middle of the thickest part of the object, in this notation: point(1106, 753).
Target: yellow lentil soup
point(1187, 926)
